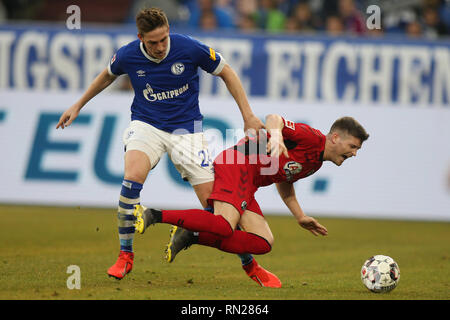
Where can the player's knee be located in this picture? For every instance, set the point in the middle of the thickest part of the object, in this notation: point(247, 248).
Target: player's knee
point(135, 176)
point(263, 246)
point(266, 248)
point(136, 173)
point(137, 166)
point(270, 240)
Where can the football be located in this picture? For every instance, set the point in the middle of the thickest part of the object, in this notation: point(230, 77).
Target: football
point(380, 273)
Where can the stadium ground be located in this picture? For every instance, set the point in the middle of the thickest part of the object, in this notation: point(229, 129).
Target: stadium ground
point(40, 243)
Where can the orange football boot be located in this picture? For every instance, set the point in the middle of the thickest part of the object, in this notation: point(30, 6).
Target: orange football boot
point(123, 265)
point(261, 276)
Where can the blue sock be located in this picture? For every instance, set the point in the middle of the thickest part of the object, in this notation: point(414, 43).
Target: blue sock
point(246, 258)
point(129, 196)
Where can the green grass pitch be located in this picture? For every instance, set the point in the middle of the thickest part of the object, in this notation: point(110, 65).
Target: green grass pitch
point(39, 243)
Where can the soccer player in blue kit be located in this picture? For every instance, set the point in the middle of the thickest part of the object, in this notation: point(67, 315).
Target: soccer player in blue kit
point(165, 117)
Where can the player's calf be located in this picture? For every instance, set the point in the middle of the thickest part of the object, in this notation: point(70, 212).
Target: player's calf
point(193, 219)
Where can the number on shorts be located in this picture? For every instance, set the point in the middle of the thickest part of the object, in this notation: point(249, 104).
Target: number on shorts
point(206, 160)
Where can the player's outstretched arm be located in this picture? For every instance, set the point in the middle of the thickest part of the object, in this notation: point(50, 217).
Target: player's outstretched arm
point(252, 123)
point(103, 80)
point(287, 193)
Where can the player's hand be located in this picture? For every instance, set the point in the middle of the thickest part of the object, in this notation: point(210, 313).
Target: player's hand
point(276, 147)
point(252, 126)
point(68, 116)
point(312, 225)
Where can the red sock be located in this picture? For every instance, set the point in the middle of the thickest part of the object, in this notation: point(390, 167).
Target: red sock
point(240, 242)
point(198, 220)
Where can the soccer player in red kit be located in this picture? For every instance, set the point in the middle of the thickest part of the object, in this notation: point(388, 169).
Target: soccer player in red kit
point(293, 151)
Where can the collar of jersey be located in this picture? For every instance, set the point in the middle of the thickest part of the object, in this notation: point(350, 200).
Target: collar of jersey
point(141, 45)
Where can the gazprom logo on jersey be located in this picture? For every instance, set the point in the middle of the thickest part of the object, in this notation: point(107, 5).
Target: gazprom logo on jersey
point(152, 96)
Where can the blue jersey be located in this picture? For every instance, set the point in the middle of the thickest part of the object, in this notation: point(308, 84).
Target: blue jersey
point(166, 91)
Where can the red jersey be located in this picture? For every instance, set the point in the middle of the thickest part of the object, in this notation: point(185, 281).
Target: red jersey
point(241, 170)
point(305, 148)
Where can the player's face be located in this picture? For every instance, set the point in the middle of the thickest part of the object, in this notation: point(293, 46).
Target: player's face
point(345, 146)
point(156, 42)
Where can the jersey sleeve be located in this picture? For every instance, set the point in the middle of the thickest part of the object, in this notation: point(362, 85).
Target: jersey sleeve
point(114, 66)
point(206, 57)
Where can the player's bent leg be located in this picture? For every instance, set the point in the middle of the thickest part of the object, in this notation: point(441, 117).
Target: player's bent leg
point(257, 239)
point(209, 226)
point(255, 223)
point(239, 242)
point(137, 165)
point(129, 197)
point(192, 219)
point(246, 258)
point(200, 177)
point(181, 238)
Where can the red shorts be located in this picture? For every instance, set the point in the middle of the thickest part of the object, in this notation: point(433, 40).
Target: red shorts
point(233, 182)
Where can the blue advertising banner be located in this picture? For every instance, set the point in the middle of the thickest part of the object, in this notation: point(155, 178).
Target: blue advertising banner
point(310, 69)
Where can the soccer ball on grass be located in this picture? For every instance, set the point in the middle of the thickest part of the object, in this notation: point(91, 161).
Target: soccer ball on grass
point(380, 274)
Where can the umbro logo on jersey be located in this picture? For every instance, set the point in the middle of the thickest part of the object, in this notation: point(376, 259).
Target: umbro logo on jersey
point(140, 73)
